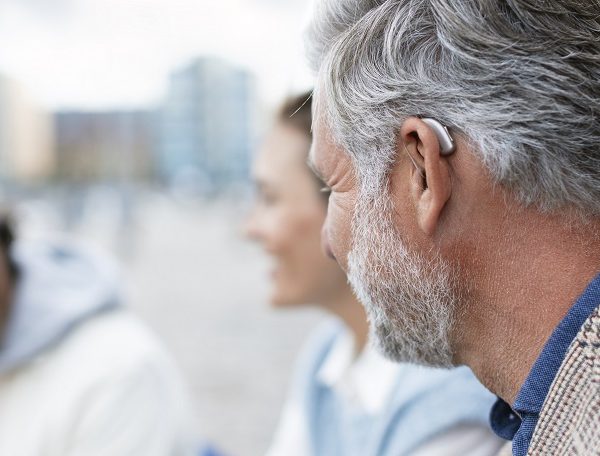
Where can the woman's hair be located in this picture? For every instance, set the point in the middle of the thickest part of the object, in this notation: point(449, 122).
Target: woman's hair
point(7, 238)
point(297, 112)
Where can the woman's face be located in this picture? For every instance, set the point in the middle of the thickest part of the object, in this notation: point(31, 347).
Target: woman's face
point(287, 220)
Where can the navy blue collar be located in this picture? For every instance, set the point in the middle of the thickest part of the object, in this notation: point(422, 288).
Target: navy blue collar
point(530, 398)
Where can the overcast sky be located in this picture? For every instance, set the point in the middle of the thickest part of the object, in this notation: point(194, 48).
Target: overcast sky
point(102, 54)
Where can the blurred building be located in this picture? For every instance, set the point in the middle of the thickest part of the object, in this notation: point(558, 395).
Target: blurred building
point(26, 137)
point(206, 126)
point(105, 146)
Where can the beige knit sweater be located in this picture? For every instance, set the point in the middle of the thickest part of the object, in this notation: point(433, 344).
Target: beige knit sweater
point(569, 423)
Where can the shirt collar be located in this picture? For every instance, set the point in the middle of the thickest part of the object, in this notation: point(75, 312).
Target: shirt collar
point(365, 380)
point(537, 384)
point(534, 390)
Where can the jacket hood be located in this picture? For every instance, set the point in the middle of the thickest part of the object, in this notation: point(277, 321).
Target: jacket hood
point(60, 285)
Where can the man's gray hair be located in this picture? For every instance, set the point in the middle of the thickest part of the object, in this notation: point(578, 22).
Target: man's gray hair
point(519, 80)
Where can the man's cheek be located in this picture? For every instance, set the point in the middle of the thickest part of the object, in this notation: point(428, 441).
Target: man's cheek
point(339, 232)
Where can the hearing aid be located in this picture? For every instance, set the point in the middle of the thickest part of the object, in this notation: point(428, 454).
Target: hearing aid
point(447, 145)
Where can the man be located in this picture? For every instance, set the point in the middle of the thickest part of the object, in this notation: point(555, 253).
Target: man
point(79, 375)
point(461, 144)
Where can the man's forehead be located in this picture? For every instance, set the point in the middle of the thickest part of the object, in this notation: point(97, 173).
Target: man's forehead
point(318, 128)
point(316, 154)
point(327, 159)
point(312, 163)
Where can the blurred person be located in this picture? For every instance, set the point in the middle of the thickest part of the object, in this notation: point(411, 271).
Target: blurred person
point(345, 398)
point(79, 374)
point(461, 141)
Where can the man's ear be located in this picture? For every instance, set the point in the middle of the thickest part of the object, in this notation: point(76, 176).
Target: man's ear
point(430, 183)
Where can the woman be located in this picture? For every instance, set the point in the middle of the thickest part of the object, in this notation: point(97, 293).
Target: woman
point(345, 398)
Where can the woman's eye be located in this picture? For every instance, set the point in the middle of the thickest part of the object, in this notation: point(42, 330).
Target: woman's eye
point(268, 199)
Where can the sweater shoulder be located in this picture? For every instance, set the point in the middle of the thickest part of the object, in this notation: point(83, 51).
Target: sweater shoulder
point(110, 345)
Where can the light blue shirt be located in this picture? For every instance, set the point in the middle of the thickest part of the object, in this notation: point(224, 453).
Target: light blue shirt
point(419, 405)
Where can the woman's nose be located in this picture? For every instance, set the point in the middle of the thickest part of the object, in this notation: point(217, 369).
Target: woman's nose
point(250, 227)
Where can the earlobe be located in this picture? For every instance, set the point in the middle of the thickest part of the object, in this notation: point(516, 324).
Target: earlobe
point(430, 185)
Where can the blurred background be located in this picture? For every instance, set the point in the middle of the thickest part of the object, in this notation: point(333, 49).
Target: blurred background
point(131, 124)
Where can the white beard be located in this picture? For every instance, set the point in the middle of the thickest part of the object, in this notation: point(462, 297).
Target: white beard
point(409, 301)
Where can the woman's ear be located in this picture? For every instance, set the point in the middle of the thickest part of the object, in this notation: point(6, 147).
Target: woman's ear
point(430, 183)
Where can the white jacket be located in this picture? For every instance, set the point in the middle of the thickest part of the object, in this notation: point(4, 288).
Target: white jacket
point(79, 375)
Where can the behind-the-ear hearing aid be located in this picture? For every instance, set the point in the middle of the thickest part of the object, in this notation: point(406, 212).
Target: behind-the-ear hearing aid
point(447, 145)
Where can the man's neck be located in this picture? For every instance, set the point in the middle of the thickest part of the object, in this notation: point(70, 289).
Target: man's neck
point(526, 284)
